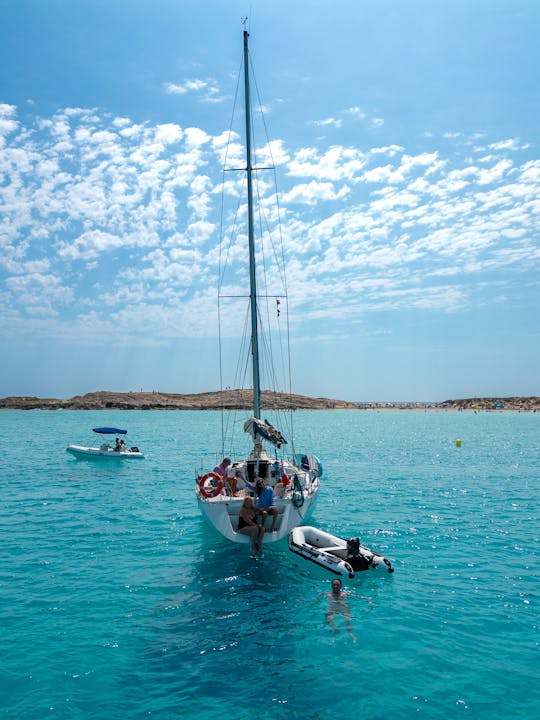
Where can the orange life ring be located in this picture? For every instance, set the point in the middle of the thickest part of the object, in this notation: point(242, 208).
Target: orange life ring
point(213, 492)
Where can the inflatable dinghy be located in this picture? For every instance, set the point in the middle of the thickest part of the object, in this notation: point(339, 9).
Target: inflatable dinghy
point(335, 554)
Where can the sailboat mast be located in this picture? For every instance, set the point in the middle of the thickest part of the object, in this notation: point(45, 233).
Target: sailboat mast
point(251, 241)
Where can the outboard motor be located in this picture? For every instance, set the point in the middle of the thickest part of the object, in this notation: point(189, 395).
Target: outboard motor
point(353, 547)
point(354, 557)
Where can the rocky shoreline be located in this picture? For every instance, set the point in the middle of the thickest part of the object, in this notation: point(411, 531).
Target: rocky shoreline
point(242, 399)
point(226, 399)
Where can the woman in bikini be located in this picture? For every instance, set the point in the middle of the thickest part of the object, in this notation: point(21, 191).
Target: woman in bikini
point(247, 523)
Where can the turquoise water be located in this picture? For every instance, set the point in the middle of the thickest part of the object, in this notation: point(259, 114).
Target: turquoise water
point(117, 601)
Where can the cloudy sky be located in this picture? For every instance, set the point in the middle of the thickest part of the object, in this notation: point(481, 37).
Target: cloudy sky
point(405, 139)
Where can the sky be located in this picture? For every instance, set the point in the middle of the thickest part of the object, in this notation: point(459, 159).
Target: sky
point(405, 139)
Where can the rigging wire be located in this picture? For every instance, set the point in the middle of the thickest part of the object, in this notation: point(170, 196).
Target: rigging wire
point(280, 265)
point(220, 265)
point(269, 271)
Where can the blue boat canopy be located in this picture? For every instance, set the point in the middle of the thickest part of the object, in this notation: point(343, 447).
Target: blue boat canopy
point(110, 431)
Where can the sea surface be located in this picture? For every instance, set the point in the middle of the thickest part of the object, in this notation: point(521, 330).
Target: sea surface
point(117, 601)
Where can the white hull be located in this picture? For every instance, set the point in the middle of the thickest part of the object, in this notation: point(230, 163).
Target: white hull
point(334, 553)
point(103, 452)
point(294, 508)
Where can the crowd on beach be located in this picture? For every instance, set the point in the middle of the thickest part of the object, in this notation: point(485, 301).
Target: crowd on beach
point(517, 404)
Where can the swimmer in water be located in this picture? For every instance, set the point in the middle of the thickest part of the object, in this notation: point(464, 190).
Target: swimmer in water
point(338, 605)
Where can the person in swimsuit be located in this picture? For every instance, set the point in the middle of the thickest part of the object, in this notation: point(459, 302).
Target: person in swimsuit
point(247, 523)
point(338, 605)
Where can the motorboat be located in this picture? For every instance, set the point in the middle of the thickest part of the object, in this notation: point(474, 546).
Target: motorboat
point(117, 451)
point(294, 477)
point(335, 554)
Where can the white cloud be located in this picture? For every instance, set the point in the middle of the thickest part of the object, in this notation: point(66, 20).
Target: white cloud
point(495, 173)
point(312, 192)
point(195, 137)
point(274, 153)
point(102, 210)
point(511, 144)
point(328, 122)
point(336, 164)
point(89, 245)
point(206, 90)
point(530, 172)
point(185, 87)
point(355, 112)
point(8, 123)
point(39, 293)
point(169, 133)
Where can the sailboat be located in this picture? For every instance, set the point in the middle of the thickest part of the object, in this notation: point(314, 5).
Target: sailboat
point(295, 478)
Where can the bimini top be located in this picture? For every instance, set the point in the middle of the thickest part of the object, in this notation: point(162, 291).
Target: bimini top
point(110, 431)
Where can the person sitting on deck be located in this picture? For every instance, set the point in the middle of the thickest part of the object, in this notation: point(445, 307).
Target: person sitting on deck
point(265, 501)
point(223, 468)
point(223, 471)
point(247, 523)
point(238, 482)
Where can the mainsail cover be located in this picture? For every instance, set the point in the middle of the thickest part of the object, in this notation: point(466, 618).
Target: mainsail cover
point(262, 428)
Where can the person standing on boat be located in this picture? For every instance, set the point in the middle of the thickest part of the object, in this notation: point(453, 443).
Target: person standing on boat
point(338, 605)
point(247, 523)
point(265, 501)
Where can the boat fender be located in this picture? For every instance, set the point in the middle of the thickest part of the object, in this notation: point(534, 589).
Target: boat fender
point(213, 491)
point(298, 494)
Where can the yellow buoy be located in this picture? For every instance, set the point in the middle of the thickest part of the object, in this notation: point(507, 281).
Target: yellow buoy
point(458, 443)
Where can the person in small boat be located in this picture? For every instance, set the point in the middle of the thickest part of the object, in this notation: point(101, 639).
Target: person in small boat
point(117, 445)
point(338, 605)
point(247, 523)
point(265, 501)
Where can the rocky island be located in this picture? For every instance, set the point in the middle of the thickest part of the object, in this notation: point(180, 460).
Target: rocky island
point(242, 399)
point(225, 399)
